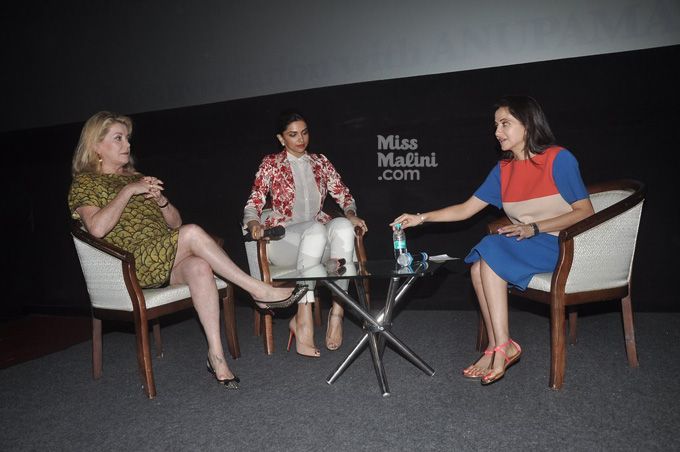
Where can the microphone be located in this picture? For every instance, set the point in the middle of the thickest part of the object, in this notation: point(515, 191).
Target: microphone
point(275, 233)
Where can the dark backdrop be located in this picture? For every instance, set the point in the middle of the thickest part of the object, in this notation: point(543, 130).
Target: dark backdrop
point(618, 113)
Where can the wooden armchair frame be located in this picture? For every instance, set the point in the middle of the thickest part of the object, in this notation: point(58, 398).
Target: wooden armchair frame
point(140, 315)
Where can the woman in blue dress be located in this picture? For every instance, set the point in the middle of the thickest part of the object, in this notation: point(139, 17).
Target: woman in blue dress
point(539, 187)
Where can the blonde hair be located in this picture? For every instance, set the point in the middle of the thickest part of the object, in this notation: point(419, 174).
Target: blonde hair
point(85, 159)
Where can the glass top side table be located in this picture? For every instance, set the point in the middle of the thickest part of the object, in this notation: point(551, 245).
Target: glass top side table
point(377, 327)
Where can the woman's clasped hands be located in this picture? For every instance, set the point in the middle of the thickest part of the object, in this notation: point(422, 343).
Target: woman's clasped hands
point(150, 187)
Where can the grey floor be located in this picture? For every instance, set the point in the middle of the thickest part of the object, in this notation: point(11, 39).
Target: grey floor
point(284, 403)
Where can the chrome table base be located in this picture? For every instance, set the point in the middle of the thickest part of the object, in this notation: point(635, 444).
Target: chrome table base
point(377, 331)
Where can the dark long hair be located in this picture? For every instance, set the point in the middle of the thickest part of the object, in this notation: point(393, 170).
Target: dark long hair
point(539, 137)
point(286, 117)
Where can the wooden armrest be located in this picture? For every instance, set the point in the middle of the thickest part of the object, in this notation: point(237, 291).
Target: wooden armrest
point(359, 244)
point(263, 260)
point(499, 222)
point(79, 231)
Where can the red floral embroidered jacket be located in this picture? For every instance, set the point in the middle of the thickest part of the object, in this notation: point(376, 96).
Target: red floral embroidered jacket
point(275, 176)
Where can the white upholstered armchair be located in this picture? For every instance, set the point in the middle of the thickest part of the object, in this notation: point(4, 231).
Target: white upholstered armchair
point(595, 264)
point(115, 294)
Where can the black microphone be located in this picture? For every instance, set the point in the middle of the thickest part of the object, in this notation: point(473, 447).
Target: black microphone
point(275, 233)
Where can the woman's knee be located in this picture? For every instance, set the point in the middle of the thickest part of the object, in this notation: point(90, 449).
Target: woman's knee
point(340, 227)
point(315, 231)
point(191, 233)
point(198, 268)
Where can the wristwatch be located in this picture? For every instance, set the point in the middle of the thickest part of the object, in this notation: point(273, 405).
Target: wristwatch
point(536, 231)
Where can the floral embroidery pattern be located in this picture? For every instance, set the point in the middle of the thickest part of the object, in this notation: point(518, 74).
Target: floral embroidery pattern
point(275, 177)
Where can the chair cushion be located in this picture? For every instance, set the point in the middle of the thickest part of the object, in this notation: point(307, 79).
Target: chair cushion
point(541, 281)
point(169, 294)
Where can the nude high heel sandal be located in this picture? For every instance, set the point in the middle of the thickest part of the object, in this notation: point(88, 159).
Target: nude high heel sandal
point(301, 348)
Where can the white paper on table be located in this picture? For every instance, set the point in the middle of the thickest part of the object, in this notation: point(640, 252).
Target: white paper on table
point(443, 258)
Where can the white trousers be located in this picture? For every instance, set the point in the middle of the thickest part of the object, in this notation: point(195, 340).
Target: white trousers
point(310, 243)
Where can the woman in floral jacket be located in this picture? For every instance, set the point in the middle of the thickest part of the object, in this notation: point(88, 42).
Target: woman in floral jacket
point(298, 182)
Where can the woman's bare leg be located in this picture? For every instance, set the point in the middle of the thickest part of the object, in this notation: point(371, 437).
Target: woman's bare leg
point(196, 272)
point(480, 367)
point(334, 331)
point(194, 241)
point(496, 295)
point(304, 330)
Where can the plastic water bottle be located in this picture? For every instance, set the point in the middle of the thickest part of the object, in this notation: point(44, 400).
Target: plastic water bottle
point(400, 252)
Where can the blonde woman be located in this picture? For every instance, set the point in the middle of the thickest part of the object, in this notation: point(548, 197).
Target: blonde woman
point(129, 210)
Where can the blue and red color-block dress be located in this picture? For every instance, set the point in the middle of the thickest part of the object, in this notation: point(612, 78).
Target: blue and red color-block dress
point(528, 191)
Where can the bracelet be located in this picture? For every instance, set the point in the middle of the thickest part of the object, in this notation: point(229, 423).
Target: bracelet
point(422, 218)
point(535, 226)
point(167, 201)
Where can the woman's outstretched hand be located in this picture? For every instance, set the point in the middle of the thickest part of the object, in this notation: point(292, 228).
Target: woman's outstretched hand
point(407, 220)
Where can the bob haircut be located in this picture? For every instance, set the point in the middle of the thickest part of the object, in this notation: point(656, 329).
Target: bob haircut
point(85, 159)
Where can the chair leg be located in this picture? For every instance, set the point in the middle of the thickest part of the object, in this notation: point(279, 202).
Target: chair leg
point(557, 344)
point(230, 323)
point(482, 338)
point(629, 331)
point(317, 310)
point(144, 357)
point(268, 335)
point(156, 327)
point(257, 322)
point(573, 317)
point(96, 348)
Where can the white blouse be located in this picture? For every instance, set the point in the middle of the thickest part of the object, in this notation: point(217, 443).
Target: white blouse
point(307, 197)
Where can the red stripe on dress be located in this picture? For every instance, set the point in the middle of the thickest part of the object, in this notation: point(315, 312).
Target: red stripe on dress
point(529, 179)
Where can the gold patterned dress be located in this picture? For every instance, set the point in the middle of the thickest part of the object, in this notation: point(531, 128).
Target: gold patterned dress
point(141, 230)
